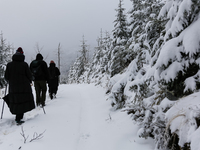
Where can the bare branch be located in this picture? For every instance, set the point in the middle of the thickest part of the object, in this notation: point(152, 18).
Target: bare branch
point(38, 49)
point(37, 136)
point(23, 135)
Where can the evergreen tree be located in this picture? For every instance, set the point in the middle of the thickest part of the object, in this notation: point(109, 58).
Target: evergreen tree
point(144, 32)
point(70, 77)
point(120, 37)
point(99, 66)
point(80, 65)
point(154, 25)
point(137, 89)
point(107, 45)
point(120, 33)
point(175, 62)
point(99, 53)
point(143, 22)
point(83, 58)
point(145, 28)
point(180, 48)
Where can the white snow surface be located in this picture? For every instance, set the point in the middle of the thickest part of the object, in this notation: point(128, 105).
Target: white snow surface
point(79, 118)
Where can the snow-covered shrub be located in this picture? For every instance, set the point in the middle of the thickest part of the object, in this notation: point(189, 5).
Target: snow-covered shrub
point(116, 95)
point(150, 116)
point(183, 121)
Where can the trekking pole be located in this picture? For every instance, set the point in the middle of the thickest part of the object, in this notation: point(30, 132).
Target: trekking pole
point(3, 102)
point(43, 109)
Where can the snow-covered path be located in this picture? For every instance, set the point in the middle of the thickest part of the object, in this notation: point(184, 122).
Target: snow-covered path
point(79, 119)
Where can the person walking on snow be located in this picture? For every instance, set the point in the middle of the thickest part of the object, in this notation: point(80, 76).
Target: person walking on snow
point(19, 78)
point(53, 82)
point(40, 73)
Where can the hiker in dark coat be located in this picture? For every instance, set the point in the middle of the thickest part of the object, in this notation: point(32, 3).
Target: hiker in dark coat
point(19, 78)
point(53, 82)
point(40, 73)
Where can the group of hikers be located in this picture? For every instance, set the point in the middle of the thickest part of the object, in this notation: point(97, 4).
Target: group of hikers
point(20, 76)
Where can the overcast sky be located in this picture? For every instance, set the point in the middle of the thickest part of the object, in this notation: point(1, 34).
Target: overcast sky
point(50, 22)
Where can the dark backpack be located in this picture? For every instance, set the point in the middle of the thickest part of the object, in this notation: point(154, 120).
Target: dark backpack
point(36, 68)
point(52, 72)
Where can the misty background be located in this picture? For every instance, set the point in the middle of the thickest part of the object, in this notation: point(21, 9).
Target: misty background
point(44, 24)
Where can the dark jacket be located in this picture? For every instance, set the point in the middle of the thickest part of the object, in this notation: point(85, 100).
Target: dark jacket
point(53, 75)
point(19, 78)
point(43, 71)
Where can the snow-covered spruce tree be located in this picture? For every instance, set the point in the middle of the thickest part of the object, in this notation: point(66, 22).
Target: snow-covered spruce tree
point(136, 90)
point(154, 26)
point(144, 26)
point(120, 37)
point(177, 66)
point(83, 59)
point(107, 45)
point(73, 75)
point(119, 58)
point(144, 31)
point(80, 65)
point(175, 61)
point(98, 70)
point(5, 57)
point(146, 102)
point(142, 18)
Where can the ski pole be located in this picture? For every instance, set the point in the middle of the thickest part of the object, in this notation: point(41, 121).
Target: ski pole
point(3, 102)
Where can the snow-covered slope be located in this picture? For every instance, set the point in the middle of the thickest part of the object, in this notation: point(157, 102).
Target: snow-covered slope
point(79, 118)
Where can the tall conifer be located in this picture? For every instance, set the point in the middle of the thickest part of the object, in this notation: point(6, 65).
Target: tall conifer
point(120, 38)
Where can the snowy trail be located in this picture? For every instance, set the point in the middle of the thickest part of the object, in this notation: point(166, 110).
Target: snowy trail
point(79, 119)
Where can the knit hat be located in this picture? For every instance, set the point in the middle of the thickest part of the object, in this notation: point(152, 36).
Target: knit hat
point(52, 62)
point(20, 50)
point(39, 56)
